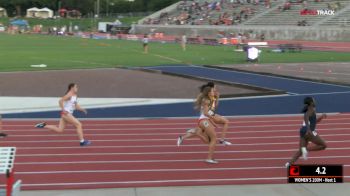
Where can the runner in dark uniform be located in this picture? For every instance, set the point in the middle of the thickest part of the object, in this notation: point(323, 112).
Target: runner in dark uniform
point(308, 131)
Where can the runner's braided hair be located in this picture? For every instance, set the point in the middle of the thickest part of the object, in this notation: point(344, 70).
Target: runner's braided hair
point(307, 102)
point(70, 86)
point(203, 95)
point(210, 84)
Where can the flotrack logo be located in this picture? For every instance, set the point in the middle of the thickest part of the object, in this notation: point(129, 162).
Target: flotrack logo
point(317, 12)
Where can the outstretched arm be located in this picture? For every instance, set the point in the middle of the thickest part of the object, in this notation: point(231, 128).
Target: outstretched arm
point(319, 119)
point(217, 96)
point(78, 107)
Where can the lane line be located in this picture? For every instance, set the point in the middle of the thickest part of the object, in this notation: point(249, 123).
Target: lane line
point(171, 160)
point(232, 122)
point(162, 181)
point(279, 116)
point(169, 152)
point(166, 146)
point(155, 170)
point(142, 140)
point(155, 181)
point(164, 134)
point(179, 128)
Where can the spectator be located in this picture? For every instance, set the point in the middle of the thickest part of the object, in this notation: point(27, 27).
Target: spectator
point(305, 4)
point(303, 23)
point(183, 42)
point(252, 54)
point(262, 37)
point(145, 41)
point(286, 6)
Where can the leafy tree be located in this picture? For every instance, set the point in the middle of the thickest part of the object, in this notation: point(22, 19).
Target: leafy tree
point(18, 7)
point(155, 5)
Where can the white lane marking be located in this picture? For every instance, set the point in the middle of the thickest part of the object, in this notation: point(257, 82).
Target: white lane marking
point(167, 146)
point(170, 160)
point(232, 122)
point(181, 128)
point(142, 140)
point(172, 134)
point(167, 153)
point(155, 181)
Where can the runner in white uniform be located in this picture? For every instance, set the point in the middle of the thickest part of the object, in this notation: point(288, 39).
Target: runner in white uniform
point(69, 106)
point(217, 119)
point(68, 103)
point(206, 129)
point(205, 121)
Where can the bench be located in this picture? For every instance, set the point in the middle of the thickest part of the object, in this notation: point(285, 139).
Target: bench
point(211, 41)
point(260, 44)
point(290, 47)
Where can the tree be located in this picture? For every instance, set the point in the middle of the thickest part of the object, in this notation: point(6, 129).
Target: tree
point(13, 5)
point(155, 5)
point(84, 6)
point(52, 4)
point(18, 7)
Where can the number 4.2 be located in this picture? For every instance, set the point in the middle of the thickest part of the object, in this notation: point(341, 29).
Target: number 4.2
point(318, 170)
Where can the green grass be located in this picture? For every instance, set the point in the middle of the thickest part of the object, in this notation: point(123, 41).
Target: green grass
point(18, 52)
point(85, 24)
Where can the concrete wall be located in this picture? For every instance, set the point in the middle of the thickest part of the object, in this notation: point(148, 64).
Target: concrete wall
point(271, 32)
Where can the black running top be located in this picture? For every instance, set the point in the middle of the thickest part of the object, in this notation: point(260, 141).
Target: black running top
point(312, 121)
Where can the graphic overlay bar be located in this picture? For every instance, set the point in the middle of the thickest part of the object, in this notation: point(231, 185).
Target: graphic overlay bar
point(315, 174)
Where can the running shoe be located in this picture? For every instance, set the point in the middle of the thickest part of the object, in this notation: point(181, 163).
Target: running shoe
point(3, 135)
point(287, 164)
point(85, 143)
point(179, 140)
point(304, 153)
point(225, 142)
point(211, 161)
point(40, 125)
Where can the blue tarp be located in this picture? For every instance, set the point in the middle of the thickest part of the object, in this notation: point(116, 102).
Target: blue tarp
point(19, 23)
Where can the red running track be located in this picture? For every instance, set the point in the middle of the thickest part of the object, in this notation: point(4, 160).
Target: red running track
point(143, 153)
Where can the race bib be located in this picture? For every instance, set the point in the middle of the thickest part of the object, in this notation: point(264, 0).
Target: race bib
point(206, 124)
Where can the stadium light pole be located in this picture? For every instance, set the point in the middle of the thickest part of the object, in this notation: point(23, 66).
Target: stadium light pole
point(98, 8)
point(59, 4)
point(107, 7)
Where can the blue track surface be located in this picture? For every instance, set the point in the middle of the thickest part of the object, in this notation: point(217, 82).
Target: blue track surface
point(330, 98)
point(289, 85)
point(252, 106)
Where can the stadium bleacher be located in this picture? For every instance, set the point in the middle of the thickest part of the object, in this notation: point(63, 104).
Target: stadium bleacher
point(211, 12)
point(342, 18)
point(243, 12)
point(292, 16)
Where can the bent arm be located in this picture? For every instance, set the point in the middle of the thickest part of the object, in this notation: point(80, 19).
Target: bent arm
point(62, 100)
